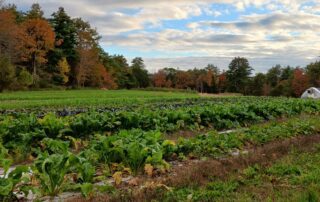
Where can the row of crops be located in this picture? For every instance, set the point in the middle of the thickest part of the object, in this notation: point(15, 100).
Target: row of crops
point(129, 105)
point(25, 130)
point(116, 106)
point(78, 152)
point(59, 166)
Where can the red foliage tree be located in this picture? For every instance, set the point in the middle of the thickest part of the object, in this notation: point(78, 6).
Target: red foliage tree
point(159, 79)
point(299, 82)
point(183, 79)
point(222, 82)
point(106, 79)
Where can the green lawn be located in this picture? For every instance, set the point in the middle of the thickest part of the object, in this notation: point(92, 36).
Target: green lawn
point(85, 98)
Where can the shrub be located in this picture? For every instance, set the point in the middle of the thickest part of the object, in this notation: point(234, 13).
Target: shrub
point(7, 73)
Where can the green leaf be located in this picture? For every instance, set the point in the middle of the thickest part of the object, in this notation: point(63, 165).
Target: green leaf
point(86, 189)
point(6, 186)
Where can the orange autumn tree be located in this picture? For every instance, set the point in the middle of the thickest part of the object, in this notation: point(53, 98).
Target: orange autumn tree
point(222, 82)
point(38, 40)
point(106, 80)
point(87, 67)
point(183, 79)
point(159, 79)
point(87, 62)
point(89, 70)
point(299, 82)
point(209, 78)
point(9, 35)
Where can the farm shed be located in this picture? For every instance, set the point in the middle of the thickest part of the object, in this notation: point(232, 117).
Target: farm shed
point(311, 93)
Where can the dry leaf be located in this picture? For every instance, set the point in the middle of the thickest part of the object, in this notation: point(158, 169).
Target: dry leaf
point(117, 176)
point(127, 171)
point(148, 168)
point(133, 182)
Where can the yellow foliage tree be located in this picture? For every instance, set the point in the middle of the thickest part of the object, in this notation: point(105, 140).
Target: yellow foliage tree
point(64, 69)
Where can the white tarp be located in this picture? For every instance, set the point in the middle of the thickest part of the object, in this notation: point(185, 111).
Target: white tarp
point(311, 93)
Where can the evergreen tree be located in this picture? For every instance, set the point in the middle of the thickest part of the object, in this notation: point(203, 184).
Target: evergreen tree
point(65, 43)
point(139, 73)
point(35, 12)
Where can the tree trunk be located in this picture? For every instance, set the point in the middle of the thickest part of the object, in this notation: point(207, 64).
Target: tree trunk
point(34, 67)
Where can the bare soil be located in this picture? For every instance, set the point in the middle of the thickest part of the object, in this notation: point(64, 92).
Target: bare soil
point(219, 94)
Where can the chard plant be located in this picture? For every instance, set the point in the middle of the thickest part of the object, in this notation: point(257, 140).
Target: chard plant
point(13, 180)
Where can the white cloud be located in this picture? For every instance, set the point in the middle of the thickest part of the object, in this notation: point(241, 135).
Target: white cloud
point(287, 32)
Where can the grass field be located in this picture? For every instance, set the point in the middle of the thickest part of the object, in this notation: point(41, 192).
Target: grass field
point(85, 98)
point(157, 146)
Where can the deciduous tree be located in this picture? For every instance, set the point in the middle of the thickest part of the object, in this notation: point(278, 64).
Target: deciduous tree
point(24, 78)
point(159, 79)
point(10, 35)
point(299, 82)
point(64, 69)
point(39, 39)
point(257, 84)
point(238, 75)
point(222, 84)
point(7, 73)
point(273, 76)
point(183, 79)
point(313, 72)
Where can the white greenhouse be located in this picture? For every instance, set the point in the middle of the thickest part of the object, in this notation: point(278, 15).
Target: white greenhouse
point(311, 93)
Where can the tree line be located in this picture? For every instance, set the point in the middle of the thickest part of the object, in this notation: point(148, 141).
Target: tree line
point(277, 81)
point(61, 51)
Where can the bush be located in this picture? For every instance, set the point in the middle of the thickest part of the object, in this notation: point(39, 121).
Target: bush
point(7, 73)
point(24, 78)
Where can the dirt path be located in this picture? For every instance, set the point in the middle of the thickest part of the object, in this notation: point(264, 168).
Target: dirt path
point(219, 95)
point(199, 172)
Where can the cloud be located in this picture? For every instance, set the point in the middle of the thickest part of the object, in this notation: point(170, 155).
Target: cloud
point(284, 31)
point(272, 22)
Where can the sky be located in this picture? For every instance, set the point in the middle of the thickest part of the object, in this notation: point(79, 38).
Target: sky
point(193, 33)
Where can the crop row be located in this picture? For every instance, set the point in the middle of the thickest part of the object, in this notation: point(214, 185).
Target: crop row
point(58, 168)
point(118, 105)
point(19, 133)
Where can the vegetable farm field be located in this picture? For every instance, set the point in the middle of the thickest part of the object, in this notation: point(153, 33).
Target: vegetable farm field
point(131, 145)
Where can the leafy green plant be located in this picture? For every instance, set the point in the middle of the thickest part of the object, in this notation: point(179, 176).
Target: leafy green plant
point(223, 188)
point(84, 169)
point(137, 155)
point(51, 170)
point(11, 180)
point(133, 148)
point(53, 146)
point(283, 170)
point(88, 190)
point(52, 125)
